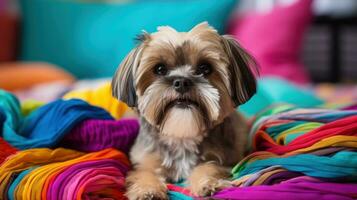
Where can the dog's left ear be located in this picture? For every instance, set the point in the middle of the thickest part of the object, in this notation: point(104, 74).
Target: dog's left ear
point(243, 82)
point(123, 85)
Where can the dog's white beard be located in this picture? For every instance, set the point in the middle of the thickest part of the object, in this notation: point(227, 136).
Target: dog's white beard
point(183, 123)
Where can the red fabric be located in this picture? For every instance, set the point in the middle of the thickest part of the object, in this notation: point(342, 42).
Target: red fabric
point(345, 126)
point(5, 150)
point(8, 36)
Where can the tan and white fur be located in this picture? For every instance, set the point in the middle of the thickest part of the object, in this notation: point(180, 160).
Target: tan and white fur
point(185, 87)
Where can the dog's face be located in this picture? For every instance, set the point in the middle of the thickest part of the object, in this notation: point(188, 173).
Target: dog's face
point(184, 83)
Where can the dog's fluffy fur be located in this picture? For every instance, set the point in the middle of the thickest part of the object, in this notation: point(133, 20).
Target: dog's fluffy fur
point(199, 140)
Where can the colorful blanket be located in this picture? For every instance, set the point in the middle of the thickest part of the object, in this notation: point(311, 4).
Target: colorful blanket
point(77, 149)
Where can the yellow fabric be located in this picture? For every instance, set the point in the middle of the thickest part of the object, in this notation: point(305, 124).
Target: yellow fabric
point(33, 185)
point(101, 97)
point(30, 105)
point(334, 141)
point(32, 157)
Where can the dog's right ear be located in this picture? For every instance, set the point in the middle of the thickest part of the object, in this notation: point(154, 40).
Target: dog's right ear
point(123, 85)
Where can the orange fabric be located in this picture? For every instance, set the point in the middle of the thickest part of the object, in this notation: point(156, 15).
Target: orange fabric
point(18, 75)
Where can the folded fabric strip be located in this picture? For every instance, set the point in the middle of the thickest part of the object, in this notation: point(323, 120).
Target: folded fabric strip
point(178, 193)
point(300, 188)
point(45, 126)
point(101, 176)
point(36, 185)
point(265, 137)
point(7, 188)
point(283, 114)
point(74, 175)
point(26, 159)
point(341, 164)
point(101, 97)
point(277, 177)
point(345, 126)
point(324, 147)
point(94, 135)
point(15, 182)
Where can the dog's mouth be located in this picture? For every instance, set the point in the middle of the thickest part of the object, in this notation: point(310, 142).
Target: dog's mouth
point(183, 103)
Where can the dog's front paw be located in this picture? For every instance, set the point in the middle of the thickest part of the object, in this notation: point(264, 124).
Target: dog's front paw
point(145, 186)
point(146, 192)
point(207, 186)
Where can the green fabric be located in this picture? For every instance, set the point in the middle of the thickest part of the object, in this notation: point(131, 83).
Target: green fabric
point(90, 39)
point(273, 91)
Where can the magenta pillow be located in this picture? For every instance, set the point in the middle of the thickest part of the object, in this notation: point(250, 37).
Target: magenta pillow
point(275, 39)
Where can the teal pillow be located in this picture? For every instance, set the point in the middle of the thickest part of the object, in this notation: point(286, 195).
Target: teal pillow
point(275, 90)
point(90, 39)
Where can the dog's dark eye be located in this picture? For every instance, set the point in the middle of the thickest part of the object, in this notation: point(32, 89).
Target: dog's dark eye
point(204, 69)
point(160, 69)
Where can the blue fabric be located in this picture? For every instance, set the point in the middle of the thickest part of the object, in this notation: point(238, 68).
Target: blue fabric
point(10, 193)
point(90, 39)
point(273, 91)
point(45, 126)
point(342, 164)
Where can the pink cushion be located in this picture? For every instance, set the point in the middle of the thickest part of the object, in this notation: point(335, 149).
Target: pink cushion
point(275, 39)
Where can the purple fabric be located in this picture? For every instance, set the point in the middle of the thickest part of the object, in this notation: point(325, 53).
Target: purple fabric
point(81, 172)
point(301, 188)
point(281, 176)
point(351, 107)
point(95, 135)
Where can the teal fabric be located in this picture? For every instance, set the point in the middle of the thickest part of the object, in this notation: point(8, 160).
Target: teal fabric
point(90, 39)
point(14, 184)
point(47, 125)
point(342, 164)
point(273, 91)
point(10, 107)
point(178, 196)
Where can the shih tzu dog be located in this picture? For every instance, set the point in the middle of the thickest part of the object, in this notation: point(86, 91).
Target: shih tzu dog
point(185, 87)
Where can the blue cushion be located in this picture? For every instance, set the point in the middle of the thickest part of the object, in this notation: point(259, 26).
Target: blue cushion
point(90, 39)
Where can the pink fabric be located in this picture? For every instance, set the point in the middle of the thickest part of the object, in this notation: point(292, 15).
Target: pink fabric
point(275, 39)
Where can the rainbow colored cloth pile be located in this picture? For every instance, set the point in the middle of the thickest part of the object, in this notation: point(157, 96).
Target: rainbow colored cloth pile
point(77, 149)
point(66, 149)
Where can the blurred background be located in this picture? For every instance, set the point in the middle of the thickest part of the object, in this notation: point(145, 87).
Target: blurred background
point(302, 41)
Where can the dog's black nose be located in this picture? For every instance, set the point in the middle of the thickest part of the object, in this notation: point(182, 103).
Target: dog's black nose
point(182, 85)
